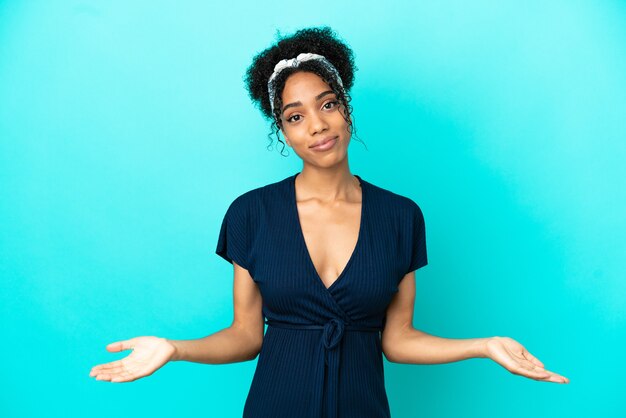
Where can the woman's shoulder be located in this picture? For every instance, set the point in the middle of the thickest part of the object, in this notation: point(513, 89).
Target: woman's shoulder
point(392, 200)
point(256, 195)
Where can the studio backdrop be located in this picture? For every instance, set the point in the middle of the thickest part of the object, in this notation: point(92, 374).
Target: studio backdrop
point(126, 131)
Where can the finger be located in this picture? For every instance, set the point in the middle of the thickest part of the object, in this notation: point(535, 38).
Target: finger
point(94, 370)
point(526, 368)
point(103, 376)
point(532, 373)
point(552, 377)
point(118, 375)
point(530, 366)
point(533, 359)
point(103, 368)
point(120, 345)
point(124, 377)
point(106, 366)
point(557, 378)
point(112, 370)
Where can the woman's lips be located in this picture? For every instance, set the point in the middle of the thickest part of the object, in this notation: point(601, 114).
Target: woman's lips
point(325, 146)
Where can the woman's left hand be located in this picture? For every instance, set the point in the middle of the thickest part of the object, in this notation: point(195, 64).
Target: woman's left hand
point(515, 358)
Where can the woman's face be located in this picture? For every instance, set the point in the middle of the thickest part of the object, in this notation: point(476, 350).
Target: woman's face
point(312, 113)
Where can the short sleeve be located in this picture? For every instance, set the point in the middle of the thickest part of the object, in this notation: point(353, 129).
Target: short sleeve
point(417, 241)
point(232, 243)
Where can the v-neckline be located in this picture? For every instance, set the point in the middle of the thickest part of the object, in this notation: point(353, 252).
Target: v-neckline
point(300, 233)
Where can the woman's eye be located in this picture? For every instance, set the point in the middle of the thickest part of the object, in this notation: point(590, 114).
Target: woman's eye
point(334, 102)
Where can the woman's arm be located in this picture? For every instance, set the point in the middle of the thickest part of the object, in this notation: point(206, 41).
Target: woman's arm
point(404, 344)
point(239, 342)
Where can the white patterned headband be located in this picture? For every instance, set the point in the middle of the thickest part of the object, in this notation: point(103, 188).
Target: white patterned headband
point(295, 62)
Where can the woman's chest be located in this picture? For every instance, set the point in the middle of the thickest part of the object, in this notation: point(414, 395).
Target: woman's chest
point(358, 271)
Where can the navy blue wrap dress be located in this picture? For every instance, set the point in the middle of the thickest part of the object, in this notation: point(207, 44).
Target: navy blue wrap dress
point(322, 353)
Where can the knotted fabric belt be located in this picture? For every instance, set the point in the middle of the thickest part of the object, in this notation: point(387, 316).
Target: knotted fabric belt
point(331, 337)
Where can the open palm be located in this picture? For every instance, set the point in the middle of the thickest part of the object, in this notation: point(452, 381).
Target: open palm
point(148, 355)
point(515, 358)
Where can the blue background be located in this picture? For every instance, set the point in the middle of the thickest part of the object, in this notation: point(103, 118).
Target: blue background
point(126, 131)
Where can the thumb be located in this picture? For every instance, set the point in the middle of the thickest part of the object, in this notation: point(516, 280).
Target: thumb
point(121, 345)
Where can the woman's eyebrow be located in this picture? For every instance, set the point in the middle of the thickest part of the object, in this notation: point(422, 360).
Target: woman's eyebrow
point(319, 96)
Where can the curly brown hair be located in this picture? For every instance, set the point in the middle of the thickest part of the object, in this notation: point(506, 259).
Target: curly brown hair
point(318, 40)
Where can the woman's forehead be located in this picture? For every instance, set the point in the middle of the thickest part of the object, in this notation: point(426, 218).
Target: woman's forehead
point(303, 86)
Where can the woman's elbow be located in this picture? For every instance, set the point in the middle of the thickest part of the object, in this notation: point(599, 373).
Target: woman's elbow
point(256, 350)
point(388, 351)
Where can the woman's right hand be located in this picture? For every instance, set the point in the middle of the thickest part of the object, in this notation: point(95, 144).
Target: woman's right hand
point(148, 355)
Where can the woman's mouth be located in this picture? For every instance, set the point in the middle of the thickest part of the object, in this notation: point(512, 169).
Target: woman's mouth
point(325, 146)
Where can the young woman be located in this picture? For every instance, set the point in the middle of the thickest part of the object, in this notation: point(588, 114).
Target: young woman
point(323, 257)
